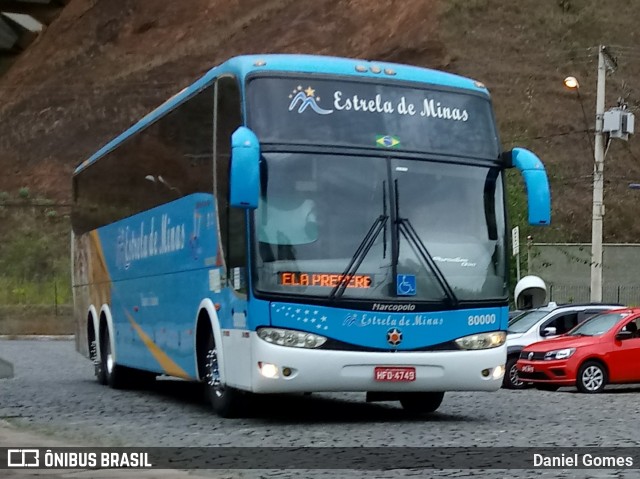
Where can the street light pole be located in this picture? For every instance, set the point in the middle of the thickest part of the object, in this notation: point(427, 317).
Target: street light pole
point(598, 184)
point(615, 123)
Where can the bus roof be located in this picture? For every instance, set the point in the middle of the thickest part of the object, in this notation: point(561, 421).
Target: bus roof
point(241, 66)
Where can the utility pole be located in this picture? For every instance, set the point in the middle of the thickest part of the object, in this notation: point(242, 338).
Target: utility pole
point(598, 183)
point(615, 123)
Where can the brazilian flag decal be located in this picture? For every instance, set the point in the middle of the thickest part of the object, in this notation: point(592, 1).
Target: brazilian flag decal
point(387, 141)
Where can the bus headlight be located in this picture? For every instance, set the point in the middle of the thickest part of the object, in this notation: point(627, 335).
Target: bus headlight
point(482, 340)
point(291, 338)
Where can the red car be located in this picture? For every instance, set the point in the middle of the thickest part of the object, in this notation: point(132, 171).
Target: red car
point(603, 350)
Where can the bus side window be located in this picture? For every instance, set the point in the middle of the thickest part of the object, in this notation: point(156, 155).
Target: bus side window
point(169, 159)
point(231, 221)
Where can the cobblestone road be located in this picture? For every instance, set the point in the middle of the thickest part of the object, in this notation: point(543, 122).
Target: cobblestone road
point(54, 393)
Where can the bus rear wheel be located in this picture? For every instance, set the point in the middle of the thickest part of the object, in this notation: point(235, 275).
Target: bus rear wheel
point(225, 400)
point(109, 372)
point(421, 403)
point(98, 363)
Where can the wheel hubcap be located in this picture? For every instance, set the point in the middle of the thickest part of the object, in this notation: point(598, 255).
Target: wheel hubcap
point(93, 352)
point(513, 376)
point(592, 378)
point(213, 373)
point(109, 362)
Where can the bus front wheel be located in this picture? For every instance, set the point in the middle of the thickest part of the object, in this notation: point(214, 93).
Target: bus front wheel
point(421, 402)
point(225, 400)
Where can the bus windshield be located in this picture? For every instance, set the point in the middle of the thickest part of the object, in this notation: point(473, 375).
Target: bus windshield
point(316, 209)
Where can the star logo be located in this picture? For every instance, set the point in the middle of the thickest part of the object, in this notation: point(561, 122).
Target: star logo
point(301, 99)
point(394, 336)
point(530, 356)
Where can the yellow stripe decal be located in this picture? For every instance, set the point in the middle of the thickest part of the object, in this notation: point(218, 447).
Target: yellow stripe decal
point(169, 366)
point(98, 248)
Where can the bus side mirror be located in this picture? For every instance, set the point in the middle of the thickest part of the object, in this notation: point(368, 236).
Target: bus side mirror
point(536, 182)
point(244, 175)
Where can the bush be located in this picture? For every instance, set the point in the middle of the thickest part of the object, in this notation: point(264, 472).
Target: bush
point(34, 256)
point(23, 192)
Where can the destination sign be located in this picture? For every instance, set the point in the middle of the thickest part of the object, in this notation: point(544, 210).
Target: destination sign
point(329, 280)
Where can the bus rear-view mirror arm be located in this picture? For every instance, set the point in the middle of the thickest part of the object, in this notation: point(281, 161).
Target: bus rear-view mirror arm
point(245, 169)
point(536, 182)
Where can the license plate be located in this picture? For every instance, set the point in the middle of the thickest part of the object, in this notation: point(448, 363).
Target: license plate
point(528, 369)
point(395, 375)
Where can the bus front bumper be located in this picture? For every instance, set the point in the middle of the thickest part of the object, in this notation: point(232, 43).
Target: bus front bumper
point(279, 369)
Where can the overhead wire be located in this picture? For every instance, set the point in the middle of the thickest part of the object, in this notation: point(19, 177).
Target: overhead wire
point(545, 137)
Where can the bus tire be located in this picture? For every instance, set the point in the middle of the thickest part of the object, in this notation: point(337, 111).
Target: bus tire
point(511, 380)
point(225, 400)
point(110, 373)
point(98, 365)
point(421, 403)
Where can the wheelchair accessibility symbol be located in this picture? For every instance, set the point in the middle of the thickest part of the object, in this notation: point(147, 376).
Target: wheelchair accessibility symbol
point(406, 285)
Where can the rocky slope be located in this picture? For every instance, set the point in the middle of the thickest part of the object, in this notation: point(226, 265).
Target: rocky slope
point(104, 63)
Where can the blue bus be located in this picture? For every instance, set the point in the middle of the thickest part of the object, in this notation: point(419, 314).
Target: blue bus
point(297, 224)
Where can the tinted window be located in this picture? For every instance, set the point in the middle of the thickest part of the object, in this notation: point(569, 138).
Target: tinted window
point(522, 323)
point(339, 112)
point(563, 323)
point(171, 158)
point(231, 220)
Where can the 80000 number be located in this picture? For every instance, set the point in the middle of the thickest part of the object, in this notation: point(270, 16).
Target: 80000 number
point(481, 319)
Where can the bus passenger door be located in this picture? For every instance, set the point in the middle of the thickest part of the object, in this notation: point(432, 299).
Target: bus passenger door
point(232, 225)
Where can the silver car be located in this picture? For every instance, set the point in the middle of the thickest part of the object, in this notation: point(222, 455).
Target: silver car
point(543, 323)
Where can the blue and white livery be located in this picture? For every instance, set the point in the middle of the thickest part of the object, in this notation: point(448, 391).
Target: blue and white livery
point(293, 223)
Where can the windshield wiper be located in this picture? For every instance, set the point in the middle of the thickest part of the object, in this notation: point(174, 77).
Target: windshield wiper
point(358, 256)
point(408, 231)
point(363, 249)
